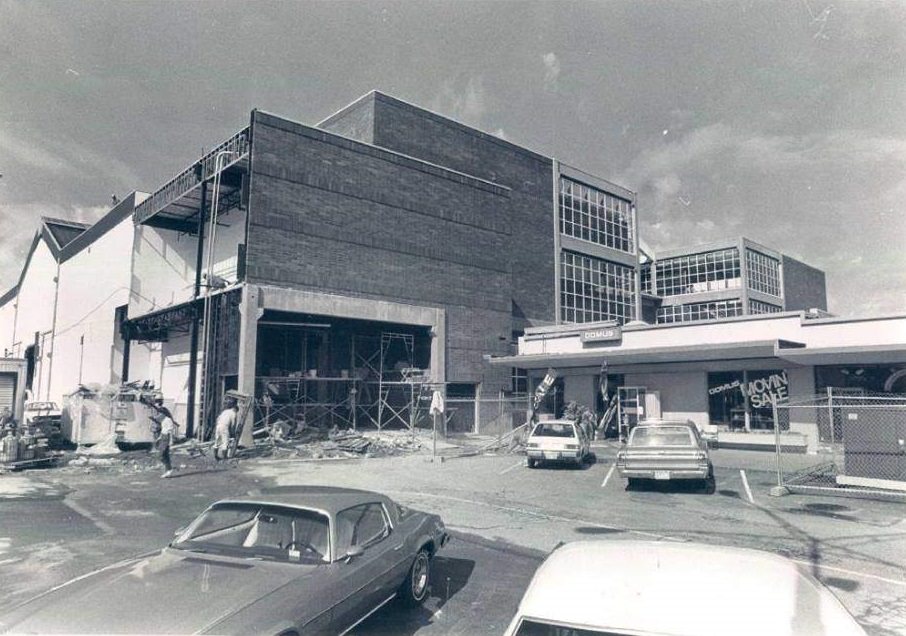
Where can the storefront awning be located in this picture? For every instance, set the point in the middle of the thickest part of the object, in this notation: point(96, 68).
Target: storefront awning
point(869, 354)
point(760, 349)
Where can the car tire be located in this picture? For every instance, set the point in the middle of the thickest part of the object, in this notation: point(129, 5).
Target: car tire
point(710, 483)
point(414, 589)
point(632, 482)
point(531, 463)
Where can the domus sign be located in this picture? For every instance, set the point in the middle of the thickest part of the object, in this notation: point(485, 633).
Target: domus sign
point(603, 334)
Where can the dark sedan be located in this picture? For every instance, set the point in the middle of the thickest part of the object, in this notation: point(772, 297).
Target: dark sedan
point(307, 560)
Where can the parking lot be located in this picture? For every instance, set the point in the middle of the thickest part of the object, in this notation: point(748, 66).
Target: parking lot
point(505, 518)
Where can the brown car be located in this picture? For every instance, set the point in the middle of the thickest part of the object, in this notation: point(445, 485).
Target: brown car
point(665, 450)
point(308, 560)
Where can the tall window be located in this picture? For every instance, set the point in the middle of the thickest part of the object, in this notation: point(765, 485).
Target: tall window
point(758, 307)
point(592, 215)
point(763, 273)
point(711, 271)
point(592, 289)
point(699, 311)
point(645, 277)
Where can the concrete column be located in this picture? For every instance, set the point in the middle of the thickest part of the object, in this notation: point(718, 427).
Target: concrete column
point(250, 312)
point(439, 347)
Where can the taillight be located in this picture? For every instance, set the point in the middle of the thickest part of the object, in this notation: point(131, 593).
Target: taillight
point(572, 446)
point(533, 445)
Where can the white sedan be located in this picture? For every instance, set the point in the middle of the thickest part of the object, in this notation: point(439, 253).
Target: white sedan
point(660, 588)
point(557, 440)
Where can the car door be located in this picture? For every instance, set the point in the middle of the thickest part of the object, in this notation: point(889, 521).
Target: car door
point(366, 577)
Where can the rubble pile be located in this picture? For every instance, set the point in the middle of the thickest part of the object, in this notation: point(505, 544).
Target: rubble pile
point(315, 443)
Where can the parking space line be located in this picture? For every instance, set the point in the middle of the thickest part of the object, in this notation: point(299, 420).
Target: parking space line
point(609, 473)
point(745, 483)
point(850, 572)
point(506, 470)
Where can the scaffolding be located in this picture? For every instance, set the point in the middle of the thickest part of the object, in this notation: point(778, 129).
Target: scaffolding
point(384, 389)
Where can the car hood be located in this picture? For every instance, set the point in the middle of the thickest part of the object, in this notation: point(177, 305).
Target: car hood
point(170, 592)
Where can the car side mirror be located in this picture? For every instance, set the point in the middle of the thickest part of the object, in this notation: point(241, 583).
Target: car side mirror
point(353, 552)
point(179, 531)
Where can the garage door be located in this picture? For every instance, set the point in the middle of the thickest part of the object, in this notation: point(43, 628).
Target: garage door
point(7, 390)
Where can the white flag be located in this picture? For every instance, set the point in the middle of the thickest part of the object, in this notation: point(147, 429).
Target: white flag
point(437, 404)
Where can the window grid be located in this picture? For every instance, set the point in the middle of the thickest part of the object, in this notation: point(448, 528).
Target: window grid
point(645, 279)
point(595, 216)
point(695, 273)
point(592, 289)
point(758, 307)
point(763, 273)
point(699, 311)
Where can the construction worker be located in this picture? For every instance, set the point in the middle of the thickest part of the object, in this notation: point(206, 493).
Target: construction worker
point(169, 431)
point(224, 428)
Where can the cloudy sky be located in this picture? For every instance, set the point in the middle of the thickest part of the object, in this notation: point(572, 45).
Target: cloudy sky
point(781, 121)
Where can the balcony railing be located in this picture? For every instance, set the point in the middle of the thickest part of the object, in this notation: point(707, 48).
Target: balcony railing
point(190, 177)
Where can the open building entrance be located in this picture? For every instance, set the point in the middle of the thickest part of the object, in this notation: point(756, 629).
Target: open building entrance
point(328, 371)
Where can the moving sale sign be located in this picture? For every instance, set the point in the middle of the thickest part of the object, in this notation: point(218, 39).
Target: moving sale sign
point(761, 391)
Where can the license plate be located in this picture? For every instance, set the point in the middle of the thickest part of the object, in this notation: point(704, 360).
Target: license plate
point(550, 455)
point(662, 474)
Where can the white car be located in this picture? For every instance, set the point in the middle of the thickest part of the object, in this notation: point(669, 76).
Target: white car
point(557, 440)
point(41, 412)
point(663, 588)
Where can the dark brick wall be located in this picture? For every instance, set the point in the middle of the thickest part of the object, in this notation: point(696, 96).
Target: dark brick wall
point(804, 286)
point(330, 214)
point(418, 133)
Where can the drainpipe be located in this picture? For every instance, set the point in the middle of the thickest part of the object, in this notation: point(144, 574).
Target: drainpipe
point(53, 331)
point(193, 343)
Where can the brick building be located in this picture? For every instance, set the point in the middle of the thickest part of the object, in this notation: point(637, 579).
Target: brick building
point(348, 254)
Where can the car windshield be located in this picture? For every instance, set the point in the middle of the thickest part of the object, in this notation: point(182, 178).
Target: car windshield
point(253, 530)
point(41, 406)
point(661, 436)
point(551, 429)
point(540, 628)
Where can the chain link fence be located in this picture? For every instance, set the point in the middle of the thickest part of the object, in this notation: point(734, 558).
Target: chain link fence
point(844, 442)
point(486, 416)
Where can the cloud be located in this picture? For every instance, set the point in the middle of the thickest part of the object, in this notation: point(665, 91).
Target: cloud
point(551, 70)
point(467, 104)
point(59, 157)
point(33, 155)
point(804, 195)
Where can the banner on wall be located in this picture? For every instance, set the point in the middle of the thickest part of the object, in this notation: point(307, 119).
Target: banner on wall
point(761, 391)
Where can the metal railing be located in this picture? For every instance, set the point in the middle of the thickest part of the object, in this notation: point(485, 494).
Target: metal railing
point(189, 178)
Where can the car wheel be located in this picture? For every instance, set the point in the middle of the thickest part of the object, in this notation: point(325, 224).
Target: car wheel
point(530, 462)
point(414, 589)
point(710, 483)
point(632, 482)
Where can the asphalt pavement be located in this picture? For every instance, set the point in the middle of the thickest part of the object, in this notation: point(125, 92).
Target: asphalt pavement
point(58, 524)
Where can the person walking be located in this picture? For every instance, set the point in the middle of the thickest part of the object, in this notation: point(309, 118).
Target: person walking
point(169, 431)
point(223, 429)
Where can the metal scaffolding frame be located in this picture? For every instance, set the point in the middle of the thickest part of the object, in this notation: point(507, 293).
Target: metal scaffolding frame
point(384, 389)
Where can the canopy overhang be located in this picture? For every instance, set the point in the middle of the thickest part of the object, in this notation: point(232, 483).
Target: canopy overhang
point(754, 350)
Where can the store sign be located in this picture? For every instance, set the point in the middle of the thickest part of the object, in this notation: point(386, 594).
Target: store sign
point(760, 391)
point(605, 334)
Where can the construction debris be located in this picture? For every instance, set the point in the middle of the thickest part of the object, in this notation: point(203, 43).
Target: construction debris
point(314, 443)
point(105, 448)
